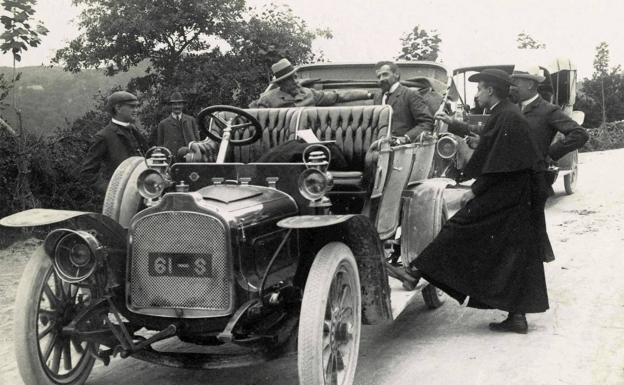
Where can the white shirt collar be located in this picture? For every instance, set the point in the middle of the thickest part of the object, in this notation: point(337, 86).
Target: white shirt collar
point(529, 101)
point(176, 116)
point(119, 123)
point(394, 87)
point(492, 108)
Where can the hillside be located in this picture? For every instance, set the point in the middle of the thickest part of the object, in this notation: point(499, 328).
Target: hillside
point(50, 97)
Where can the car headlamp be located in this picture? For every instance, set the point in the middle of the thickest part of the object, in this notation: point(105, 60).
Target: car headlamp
point(446, 147)
point(314, 183)
point(151, 184)
point(76, 256)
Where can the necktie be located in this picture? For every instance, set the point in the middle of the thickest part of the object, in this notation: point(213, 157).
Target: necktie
point(384, 99)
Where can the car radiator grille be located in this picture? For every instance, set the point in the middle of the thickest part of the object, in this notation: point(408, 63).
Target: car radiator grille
point(170, 235)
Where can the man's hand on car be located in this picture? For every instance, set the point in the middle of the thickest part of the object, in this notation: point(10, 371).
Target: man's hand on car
point(466, 197)
point(472, 140)
point(443, 117)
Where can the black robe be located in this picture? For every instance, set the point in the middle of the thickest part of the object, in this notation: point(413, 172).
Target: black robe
point(493, 249)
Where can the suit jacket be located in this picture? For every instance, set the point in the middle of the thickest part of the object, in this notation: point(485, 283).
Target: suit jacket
point(173, 133)
point(410, 113)
point(113, 144)
point(546, 120)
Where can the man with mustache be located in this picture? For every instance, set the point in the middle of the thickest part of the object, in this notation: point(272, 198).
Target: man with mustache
point(410, 113)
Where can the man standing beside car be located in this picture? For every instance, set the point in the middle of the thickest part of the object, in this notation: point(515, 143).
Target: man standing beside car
point(491, 252)
point(116, 142)
point(290, 94)
point(410, 113)
point(545, 119)
point(178, 129)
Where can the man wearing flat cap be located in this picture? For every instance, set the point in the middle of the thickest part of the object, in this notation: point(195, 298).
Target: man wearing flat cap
point(490, 254)
point(545, 119)
point(289, 93)
point(178, 129)
point(116, 142)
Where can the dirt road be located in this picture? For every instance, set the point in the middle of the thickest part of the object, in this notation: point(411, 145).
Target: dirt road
point(579, 341)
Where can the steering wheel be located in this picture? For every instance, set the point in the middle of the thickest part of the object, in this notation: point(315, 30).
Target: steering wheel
point(210, 112)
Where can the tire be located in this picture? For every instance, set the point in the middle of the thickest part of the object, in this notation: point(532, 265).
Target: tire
point(569, 180)
point(434, 297)
point(330, 322)
point(37, 328)
point(122, 198)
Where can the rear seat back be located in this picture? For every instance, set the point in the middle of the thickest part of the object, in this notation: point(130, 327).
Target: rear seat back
point(353, 128)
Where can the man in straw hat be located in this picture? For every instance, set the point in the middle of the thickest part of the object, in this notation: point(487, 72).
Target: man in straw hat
point(490, 254)
point(545, 119)
point(116, 142)
point(178, 129)
point(290, 94)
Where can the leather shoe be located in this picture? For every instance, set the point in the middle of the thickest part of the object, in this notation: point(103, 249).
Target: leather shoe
point(515, 323)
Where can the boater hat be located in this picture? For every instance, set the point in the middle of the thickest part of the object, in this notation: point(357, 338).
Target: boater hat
point(532, 73)
point(491, 74)
point(176, 97)
point(282, 70)
point(120, 97)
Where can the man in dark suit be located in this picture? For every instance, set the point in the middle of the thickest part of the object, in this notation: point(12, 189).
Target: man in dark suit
point(411, 115)
point(178, 129)
point(545, 119)
point(114, 143)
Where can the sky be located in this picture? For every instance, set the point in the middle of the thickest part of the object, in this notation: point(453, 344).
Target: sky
point(474, 32)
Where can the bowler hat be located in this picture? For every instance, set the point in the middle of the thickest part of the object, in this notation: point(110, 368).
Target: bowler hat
point(282, 70)
point(120, 97)
point(176, 97)
point(532, 73)
point(492, 74)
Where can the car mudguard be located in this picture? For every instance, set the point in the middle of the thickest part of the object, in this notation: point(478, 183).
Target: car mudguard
point(423, 214)
point(359, 234)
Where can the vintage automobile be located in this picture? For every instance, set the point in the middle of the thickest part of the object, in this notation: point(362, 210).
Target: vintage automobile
point(559, 88)
point(261, 256)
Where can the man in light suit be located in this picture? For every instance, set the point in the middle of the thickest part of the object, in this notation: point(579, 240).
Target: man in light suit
point(411, 115)
point(178, 129)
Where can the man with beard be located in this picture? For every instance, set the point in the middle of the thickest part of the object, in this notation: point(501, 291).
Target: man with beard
point(492, 250)
point(290, 94)
point(116, 142)
point(178, 129)
point(410, 113)
point(545, 119)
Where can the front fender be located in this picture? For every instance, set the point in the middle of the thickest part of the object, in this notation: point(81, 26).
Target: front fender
point(359, 234)
point(424, 213)
point(39, 217)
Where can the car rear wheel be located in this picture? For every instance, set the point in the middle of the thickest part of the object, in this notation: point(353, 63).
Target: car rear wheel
point(45, 354)
point(569, 180)
point(122, 198)
point(329, 327)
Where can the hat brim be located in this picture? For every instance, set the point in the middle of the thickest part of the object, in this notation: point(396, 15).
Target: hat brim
point(475, 78)
point(536, 78)
point(177, 101)
point(285, 76)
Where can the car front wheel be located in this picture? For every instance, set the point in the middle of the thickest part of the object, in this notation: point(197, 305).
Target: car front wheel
point(45, 354)
point(329, 327)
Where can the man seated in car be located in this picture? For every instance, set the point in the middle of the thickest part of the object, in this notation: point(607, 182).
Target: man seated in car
point(289, 93)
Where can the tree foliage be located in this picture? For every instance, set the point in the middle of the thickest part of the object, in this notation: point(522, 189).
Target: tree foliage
point(526, 41)
point(420, 44)
point(601, 60)
point(18, 33)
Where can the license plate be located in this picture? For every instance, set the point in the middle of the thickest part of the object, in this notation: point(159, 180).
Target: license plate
point(180, 265)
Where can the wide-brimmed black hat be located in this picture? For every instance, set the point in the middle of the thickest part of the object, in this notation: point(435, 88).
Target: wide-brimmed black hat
point(120, 97)
point(492, 74)
point(176, 97)
point(282, 70)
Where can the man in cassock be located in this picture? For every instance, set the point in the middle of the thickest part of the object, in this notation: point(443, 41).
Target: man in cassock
point(492, 250)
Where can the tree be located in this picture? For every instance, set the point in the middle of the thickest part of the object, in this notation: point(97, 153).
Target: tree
point(19, 35)
point(601, 68)
point(119, 34)
point(420, 45)
point(178, 40)
point(526, 41)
